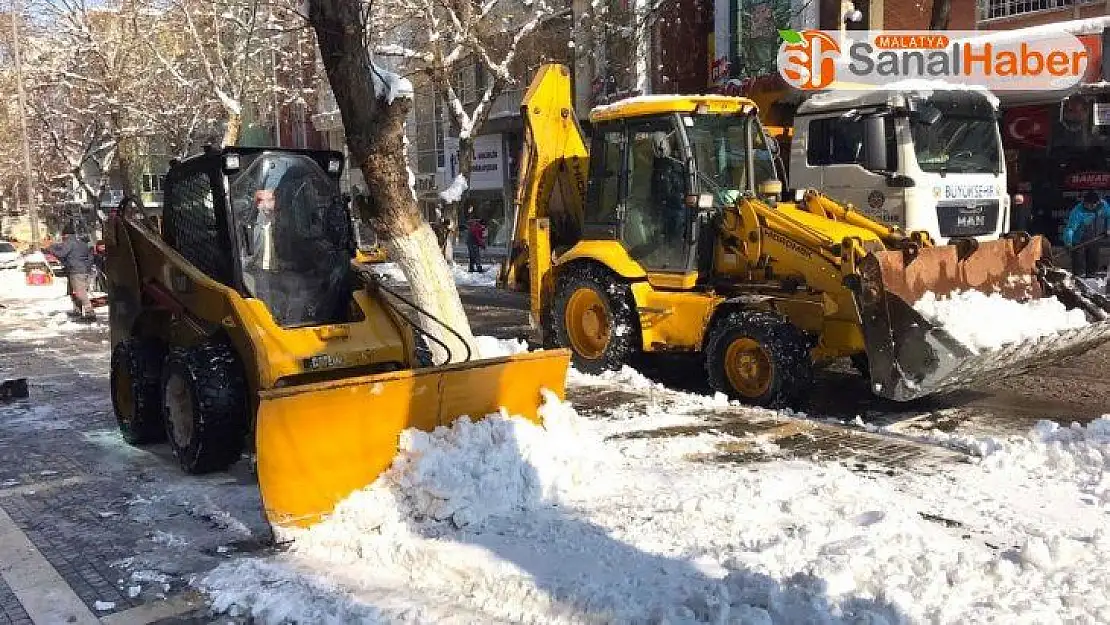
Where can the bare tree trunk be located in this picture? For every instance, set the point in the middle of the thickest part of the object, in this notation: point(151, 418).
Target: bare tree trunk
point(942, 10)
point(231, 133)
point(375, 138)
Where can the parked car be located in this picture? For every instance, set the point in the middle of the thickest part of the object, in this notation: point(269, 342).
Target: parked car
point(10, 258)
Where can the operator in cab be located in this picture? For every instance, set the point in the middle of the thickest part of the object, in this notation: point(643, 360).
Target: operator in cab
point(1088, 227)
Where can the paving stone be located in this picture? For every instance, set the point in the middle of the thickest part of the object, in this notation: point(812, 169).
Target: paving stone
point(11, 612)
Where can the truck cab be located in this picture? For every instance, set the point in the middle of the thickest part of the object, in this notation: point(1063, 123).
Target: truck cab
point(926, 160)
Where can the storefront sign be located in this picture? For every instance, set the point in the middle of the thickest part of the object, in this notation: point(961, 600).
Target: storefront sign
point(1088, 180)
point(487, 171)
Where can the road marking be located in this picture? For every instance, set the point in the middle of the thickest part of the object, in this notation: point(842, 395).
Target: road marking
point(42, 592)
point(155, 611)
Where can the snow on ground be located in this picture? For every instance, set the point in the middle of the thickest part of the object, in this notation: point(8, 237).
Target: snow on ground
point(506, 521)
point(33, 312)
point(1008, 321)
point(392, 272)
point(1098, 284)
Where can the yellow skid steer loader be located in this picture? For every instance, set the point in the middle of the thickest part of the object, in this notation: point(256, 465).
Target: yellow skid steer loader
point(240, 315)
point(672, 234)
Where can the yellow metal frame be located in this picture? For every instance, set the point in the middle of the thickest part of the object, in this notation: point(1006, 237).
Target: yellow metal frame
point(663, 104)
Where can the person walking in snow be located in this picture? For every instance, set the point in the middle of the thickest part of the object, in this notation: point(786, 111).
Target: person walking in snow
point(76, 257)
point(475, 241)
point(1088, 222)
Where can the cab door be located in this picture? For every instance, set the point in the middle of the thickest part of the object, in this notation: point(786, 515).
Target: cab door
point(654, 217)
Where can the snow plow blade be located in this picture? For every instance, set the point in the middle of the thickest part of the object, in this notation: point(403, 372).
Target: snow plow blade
point(319, 442)
point(910, 357)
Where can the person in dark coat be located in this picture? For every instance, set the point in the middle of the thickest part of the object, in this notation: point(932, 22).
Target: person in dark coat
point(76, 256)
point(475, 241)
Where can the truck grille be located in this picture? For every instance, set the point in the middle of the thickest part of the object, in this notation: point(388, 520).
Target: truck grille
point(971, 218)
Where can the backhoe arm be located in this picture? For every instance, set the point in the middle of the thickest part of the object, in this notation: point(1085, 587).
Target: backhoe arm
point(553, 170)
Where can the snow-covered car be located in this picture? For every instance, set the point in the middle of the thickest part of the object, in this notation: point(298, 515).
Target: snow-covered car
point(10, 258)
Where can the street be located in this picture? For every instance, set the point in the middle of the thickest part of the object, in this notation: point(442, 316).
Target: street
point(91, 528)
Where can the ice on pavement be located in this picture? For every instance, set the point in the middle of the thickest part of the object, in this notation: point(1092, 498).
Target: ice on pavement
point(983, 322)
point(506, 521)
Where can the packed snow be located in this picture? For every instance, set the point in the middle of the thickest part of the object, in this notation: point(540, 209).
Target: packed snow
point(503, 520)
point(985, 322)
point(36, 312)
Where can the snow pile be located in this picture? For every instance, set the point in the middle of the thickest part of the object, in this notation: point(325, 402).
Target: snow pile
point(1078, 454)
point(492, 347)
point(454, 477)
point(984, 322)
point(503, 522)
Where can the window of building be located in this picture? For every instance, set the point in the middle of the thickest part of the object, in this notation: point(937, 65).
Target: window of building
point(990, 9)
point(152, 183)
point(428, 115)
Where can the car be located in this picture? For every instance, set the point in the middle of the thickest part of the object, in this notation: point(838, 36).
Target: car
point(10, 258)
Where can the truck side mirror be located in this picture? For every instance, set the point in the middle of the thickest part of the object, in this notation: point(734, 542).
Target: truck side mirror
point(773, 145)
point(874, 144)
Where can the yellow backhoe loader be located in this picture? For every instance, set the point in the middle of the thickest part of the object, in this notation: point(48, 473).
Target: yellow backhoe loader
point(243, 317)
point(671, 234)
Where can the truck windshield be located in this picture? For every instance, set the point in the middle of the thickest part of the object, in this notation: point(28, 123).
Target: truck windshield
point(955, 144)
point(722, 151)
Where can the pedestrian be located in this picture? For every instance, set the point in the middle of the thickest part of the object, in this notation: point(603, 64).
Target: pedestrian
point(448, 245)
point(475, 241)
point(1089, 221)
point(76, 256)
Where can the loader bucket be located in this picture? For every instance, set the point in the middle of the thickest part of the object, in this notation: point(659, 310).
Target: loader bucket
point(317, 443)
point(910, 357)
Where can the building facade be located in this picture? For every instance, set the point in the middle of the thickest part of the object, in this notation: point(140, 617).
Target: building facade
point(1057, 146)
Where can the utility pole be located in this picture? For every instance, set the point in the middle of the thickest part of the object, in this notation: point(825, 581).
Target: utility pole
point(28, 185)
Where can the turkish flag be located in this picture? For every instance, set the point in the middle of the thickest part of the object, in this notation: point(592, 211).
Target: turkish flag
point(1025, 127)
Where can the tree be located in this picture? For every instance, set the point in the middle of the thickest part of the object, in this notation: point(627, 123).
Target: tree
point(450, 37)
point(230, 52)
point(373, 104)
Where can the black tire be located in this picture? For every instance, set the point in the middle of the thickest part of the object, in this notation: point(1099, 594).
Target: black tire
point(136, 387)
point(213, 421)
point(616, 299)
point(786, 354)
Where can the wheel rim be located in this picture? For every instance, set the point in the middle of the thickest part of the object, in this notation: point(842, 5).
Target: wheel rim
point(588, 323)
point(125, 399)
point(748, 367)
point(179, 409)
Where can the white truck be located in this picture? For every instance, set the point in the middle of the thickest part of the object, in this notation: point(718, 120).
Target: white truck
point(921, 159)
